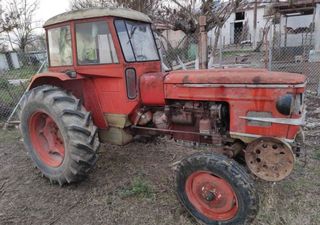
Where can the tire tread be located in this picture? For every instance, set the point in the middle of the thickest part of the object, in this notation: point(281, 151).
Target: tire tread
point(82, 139)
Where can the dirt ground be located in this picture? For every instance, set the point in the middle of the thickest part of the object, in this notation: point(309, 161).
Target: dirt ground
point(134, 185)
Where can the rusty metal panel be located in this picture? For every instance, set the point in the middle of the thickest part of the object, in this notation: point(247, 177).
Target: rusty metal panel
point(233, 76)
point(152, 88)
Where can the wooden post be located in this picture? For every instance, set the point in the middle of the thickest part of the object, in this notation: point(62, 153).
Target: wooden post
point(203, 43)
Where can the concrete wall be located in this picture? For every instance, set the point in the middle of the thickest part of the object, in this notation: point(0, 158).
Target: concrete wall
point(15, 60)
point(9, 61)
point(317, 29)
point(3, 62)
point(174, 37)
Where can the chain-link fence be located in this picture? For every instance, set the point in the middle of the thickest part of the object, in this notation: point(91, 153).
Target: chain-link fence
point(16, 70)
point(296, 53)
point(178, 51)
point(272, 50)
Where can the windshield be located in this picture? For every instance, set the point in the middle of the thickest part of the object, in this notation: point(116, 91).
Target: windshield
point(137, 41)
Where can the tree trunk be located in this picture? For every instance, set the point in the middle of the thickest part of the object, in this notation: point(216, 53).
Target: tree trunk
point(217, 34)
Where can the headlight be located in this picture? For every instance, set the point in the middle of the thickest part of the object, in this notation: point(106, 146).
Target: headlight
point(285, 104)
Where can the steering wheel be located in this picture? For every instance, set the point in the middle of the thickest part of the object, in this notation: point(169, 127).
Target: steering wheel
point(141, 57)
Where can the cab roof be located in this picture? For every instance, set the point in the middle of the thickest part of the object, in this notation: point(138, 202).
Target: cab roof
point(98, 12)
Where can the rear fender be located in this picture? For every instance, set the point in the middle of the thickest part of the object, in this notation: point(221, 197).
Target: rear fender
point(81, 87)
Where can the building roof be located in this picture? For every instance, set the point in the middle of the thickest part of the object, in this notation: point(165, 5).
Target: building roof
point(245, 5)
point(98, 12)
point(301, 6)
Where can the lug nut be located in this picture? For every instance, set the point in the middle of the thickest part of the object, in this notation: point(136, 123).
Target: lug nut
point(210, 197)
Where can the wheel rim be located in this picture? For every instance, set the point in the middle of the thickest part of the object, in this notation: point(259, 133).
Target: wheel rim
point(46, 139)
point(212, 196)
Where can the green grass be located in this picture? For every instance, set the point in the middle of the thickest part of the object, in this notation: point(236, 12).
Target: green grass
point(316, 154)
point(138, 188)
point(235, 53)
point(10, 95)
point(22, 73)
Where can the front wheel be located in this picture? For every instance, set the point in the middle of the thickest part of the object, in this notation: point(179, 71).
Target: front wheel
point(216, 190)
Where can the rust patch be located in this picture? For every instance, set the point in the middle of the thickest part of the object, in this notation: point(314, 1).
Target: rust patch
point(233, 76)
point(256, 80)
point(185, 79)
point(269, 159)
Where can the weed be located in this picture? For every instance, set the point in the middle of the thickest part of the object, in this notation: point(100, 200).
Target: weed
point(139, 188)
point(9, 136)
point(316, 154)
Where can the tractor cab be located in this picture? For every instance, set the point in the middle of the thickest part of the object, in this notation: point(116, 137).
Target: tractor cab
point(102, 42)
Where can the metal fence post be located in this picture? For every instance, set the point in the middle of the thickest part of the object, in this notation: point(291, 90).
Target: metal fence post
point(270, 48)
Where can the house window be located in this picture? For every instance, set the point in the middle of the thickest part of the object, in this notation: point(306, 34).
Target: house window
point(240, 15)
point(94, 44)
point(60, 50)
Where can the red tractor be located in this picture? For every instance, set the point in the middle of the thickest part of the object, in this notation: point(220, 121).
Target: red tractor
point(105, 84)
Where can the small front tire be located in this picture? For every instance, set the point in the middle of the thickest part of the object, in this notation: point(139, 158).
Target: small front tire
point(216, 190)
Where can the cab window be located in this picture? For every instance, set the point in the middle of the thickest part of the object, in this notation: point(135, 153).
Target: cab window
point(137, 41)
point(60, 50)
point(94, 44)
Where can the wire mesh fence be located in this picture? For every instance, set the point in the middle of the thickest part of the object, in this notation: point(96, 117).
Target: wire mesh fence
point(178, 51)
point(294, 53)
point(16, 70)
point(297, 55)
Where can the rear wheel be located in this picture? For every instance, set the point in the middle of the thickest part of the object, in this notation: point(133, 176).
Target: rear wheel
point(58, 134)
point(216, 190)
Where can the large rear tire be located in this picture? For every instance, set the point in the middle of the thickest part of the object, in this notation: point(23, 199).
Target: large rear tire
point(216, 190)
point(59, 134)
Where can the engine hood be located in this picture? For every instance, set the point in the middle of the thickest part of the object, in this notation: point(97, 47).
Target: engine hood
point(233, 76)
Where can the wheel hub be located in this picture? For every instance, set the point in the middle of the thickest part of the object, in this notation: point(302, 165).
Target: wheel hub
point(208, 192)
point(269, 159)
point(212, 196)
point(46, 139)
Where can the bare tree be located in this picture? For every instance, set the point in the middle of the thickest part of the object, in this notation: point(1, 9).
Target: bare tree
point(8, 21)
point(22, 35)
point(39, 43)
point(185, 16)
point(178, 14)
point(270, 15)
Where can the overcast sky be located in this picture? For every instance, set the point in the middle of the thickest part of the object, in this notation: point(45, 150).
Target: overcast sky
point(50, 8)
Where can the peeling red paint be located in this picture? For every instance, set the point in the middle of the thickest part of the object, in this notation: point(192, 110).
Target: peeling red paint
point(233, 76)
